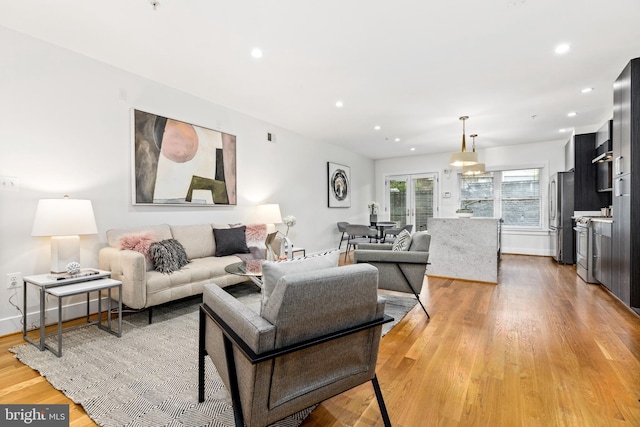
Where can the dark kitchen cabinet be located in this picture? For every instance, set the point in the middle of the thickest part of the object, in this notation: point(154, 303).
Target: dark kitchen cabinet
point(604, 159)
point(602, 252)
point(626, 185)
point(579, 154)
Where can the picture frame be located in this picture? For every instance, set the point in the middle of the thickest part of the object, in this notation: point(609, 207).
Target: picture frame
point(176, 163)
point(339, 185)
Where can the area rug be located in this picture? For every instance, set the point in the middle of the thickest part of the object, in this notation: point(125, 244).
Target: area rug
point(148, 377)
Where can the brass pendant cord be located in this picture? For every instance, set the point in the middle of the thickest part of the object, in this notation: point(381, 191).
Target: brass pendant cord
point(464, 143)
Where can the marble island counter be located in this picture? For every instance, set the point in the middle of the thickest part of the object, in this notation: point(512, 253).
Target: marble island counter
point(464, 248)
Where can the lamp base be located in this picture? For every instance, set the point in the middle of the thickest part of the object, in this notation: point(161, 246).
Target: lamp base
point(64, 249)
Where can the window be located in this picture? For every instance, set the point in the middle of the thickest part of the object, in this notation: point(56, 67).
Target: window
point(513, 195)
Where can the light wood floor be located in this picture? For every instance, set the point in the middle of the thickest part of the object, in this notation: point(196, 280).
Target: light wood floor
point(541, 349)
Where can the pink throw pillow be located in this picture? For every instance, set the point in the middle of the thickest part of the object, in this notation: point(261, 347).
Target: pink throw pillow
point(256, 234)
point(139, 242)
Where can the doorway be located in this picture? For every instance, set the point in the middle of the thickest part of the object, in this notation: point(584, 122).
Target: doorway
point(410, 199)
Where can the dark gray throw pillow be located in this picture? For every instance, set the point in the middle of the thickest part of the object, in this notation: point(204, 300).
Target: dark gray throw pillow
point(168, 255)
point(230, 241)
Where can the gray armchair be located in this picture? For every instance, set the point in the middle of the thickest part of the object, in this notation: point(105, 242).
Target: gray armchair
point(401, 271)
point(317, 337)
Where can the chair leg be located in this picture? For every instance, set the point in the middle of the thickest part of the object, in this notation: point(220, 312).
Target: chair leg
point(380, 399)
point(341, 240)
point(233, 383)
point(406, 279)
point(201, 354)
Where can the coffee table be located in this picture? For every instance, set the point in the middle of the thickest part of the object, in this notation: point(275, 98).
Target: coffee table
point(251, 269)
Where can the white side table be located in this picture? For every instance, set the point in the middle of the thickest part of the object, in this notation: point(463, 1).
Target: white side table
point(61, 288)
point(295, 249)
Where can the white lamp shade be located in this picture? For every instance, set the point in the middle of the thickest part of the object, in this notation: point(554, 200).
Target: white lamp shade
point(64, 217)
point(464, 158)
point(477, 169)
point(269, 214)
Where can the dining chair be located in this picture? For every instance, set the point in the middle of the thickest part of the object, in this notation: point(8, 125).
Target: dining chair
point(358, 233)
point(342, 227)
point(395, 231)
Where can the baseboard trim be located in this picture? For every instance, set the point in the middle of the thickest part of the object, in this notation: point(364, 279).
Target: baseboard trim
point(12, 324)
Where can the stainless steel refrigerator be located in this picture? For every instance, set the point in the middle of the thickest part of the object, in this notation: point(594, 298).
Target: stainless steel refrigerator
point(560, 212)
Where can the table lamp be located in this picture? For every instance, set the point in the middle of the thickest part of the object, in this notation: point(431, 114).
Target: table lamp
point(270, 214)
point(64, 220)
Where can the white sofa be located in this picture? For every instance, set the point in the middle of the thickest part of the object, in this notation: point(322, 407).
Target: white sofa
point(143, 287)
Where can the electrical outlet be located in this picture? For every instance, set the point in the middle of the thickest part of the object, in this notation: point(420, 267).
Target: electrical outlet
point(14, 280)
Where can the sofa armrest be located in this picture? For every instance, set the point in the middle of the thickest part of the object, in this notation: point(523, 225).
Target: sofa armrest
point(408, 257)
point(375, 246)
point(130, 268)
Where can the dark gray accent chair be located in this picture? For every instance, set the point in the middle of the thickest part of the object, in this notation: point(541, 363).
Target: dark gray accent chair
point(401, 271)
point(317, 337)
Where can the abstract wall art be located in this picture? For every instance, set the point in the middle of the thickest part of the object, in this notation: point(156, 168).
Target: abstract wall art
point(178, 163)
point(339, 185)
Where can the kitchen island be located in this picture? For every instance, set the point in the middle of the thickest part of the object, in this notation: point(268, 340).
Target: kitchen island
point(464, 248)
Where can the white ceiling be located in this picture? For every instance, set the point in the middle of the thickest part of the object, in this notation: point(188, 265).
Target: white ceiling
point(411, 67)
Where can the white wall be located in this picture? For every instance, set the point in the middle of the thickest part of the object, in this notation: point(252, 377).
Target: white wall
point(65, 129)
point(548, 155)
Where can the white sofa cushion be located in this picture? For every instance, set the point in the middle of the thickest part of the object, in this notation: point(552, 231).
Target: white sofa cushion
point(197, 240)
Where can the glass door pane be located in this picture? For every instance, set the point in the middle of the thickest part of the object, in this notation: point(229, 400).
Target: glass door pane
point(397, 194)
point(411, 199)
point(424, 201)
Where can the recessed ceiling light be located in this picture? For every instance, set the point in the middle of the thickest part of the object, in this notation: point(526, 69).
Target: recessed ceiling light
point(412, 149)
point(397, 139)
point(256, 53)
point(376, 127)
point(561, 49)
point(339, 104)
point(572, 114)
point(563, 130)
point(587, 90)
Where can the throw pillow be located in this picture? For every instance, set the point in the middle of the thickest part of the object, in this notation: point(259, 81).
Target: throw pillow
point(230, 241)
point(402, 241)
point(139, 242)
point(168, 255)
point(256, 235)
point(272, 271)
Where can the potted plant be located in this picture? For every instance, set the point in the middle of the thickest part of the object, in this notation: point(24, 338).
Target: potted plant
point(465, 211)
point(373, 211)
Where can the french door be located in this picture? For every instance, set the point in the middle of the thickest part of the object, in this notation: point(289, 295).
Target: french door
point(411, 199)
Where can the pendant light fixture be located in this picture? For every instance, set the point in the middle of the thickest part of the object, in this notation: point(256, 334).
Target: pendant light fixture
point(464, 157)
point(478, 168)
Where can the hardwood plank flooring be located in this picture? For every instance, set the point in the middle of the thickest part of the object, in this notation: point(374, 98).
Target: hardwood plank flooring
point(542, 348)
